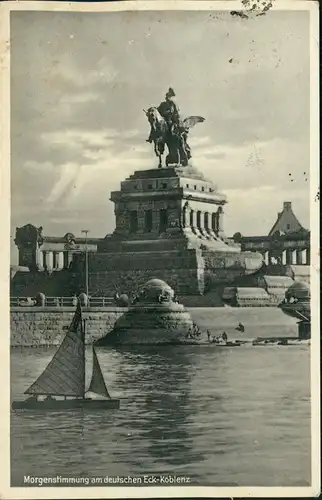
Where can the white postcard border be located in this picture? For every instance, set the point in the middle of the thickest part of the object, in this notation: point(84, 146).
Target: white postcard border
point(8, 492)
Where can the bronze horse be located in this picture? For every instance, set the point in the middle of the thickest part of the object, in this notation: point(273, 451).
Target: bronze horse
point(173, 135)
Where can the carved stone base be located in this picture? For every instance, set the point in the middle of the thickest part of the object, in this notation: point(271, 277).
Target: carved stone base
point(155, 317)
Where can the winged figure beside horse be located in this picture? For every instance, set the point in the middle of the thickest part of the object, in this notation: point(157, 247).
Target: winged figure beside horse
point(168, 129)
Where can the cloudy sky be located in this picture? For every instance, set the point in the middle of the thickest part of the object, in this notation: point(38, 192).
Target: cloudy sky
point(80, 82)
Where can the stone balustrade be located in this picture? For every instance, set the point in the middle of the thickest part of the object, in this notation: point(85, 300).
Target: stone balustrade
point(50, 302)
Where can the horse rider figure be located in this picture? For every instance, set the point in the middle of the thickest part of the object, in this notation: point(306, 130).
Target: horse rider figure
point(167, 127)
point(169, 111)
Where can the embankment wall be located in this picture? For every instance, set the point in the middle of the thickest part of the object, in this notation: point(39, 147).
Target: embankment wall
point(35, 326)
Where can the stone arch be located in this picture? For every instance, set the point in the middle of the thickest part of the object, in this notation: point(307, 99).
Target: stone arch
point(185, 216)
point(133, 221)
point(191, 216)
point(206, 221)
point(199, 226)
point(214, 225)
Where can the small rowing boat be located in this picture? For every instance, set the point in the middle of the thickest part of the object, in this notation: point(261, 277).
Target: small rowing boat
point(227, 344)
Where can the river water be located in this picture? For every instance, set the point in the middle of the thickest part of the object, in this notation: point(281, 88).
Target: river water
point(232, 417)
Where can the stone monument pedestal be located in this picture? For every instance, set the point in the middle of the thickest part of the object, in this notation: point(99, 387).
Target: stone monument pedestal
point(169, 225)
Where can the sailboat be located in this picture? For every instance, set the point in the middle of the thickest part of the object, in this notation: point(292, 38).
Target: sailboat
point(62, 383)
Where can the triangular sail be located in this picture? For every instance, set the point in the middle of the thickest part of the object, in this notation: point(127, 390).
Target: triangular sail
point(65, 374)
point(97, 384)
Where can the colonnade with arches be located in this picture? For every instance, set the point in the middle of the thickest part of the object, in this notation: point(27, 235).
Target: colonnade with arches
point(289, 256)
point(203, 223)
point(54, 260)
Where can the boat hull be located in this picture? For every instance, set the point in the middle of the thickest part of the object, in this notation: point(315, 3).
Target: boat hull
point(67, 404)
point(278, 343)
point(227, 344)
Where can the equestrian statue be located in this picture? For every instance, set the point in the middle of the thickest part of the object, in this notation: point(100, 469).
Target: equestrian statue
point(168, 129)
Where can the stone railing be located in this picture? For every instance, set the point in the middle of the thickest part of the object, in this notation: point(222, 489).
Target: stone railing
point(61, 301)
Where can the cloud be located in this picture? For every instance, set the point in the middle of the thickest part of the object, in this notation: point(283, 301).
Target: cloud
point(80, 138)
point(80, 83)
point(65, 72)
point(253, 216)
point(80, 98)
point(68, 175)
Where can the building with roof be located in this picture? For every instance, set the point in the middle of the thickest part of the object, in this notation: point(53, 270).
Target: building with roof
point(287, 243)
point(286, 222)
point(51, 253)
point(169, 224)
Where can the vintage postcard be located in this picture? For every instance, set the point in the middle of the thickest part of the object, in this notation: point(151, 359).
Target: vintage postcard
point(160, 221)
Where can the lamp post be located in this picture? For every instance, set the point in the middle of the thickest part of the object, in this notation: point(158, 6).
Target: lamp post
point(86, 231)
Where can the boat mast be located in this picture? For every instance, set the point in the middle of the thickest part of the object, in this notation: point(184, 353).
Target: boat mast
point(84, 355)
point(65, 373)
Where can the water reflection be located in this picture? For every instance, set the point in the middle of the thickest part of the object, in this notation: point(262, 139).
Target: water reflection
point(162, 386)
point(184, 410)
